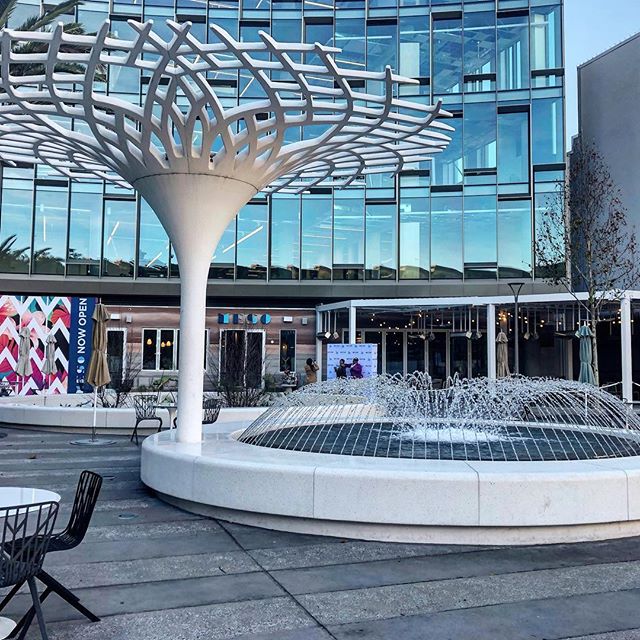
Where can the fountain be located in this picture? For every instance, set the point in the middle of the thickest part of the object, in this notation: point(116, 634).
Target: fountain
point(509, 419)
point(508, 461)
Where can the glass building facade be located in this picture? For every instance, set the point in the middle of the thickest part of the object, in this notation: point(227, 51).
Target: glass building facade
point(469, 215)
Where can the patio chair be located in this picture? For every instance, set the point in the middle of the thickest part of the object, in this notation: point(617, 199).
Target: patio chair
point(211, 410)
point(26, 535)
point(71, 536)
point(145, 410)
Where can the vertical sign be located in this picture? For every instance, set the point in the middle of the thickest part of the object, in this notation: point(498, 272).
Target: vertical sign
point(80, 342)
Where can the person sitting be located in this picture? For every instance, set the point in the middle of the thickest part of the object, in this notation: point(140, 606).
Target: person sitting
point(356, 369)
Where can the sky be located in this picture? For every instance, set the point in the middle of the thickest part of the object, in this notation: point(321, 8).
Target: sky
point(591, 27)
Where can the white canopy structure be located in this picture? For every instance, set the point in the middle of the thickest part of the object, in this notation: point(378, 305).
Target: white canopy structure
point(195, 160)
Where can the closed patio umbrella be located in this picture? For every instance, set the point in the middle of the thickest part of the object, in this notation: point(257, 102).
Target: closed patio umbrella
point(98, 373)
point(502, 356)
point(49, 364)
point(23, 366)
point(586, 355)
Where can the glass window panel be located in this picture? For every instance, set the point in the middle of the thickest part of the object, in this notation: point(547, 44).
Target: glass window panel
point(350, 38)
point(149, 349)
point(316, 238)
point(85, 231)
point(415, 353)
point(348, 235)
point(285, 237)
point(480, 135)
point(546, 37)
point(381, 242)
point(543, 200)
point(480, 49)
point(153, 255)
point(414, 46)
point(322, 33)
point(382, 41)
point(513, 52)
point(480, 252)
point(446, 237)
point(251, 246)
point(447, 56)
point(119, 240)
point(15, 226)
point(414, 237)
point(50, 230)
point(287, 349)
point(448, 165)
point(438, 356)
point(223, 261)
point(394, 349)
point(514, 238)
point(513, 148)
point(548, 131)
point(167, 349)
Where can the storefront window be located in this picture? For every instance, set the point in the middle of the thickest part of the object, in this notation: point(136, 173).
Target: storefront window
point(285, 237)
point(119, 239)
point(50, 230)
point(287, 349)
point(251, 245)
point(15, 224)
point(153, 255)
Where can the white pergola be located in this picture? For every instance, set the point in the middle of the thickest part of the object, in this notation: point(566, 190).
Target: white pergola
point(194, 159)
point(490, 303)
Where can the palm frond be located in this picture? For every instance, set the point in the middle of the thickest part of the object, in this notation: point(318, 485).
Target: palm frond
point(7, 7)
point(50, 15)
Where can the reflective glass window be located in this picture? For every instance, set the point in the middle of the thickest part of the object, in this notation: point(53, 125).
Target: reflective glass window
point(316, 238)
point(414, 46)
point(348, 235)
point(480, 50)
point(547, 131)
point(480, 251)
point(119, 238)
point(224, 256)
point(15, 225)
point(85, 230)
point(446, 236)
point(545, 198)
point(153, 252)
point(124, 79)
point(414, 235)
point(287, 349)
point(513, 148)
point(514, 238)
point(285, 237)
point(50, 230)
point(394, 350)
point(382, 39)
point(381, 241)
point(546, 37)
point(251, 245)
point(513, 52)
point(167, 349)
point(480, 135)
point(448, 165)
point(350, 38)
point(447, 56)
point(149, 349)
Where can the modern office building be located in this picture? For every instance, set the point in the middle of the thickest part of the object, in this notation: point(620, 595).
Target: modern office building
point(462, 225)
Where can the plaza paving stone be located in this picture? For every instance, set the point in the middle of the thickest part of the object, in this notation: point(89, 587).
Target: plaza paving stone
point(165, 574)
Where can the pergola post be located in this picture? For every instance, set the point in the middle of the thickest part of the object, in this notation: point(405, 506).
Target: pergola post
point(626, 345)
point(491, 341)
point(352, 324)
point(319, 343)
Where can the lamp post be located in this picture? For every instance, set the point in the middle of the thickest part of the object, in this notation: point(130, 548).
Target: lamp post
point(516, 287)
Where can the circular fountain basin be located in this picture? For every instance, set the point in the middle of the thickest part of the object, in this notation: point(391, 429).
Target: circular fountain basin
point(355, 471)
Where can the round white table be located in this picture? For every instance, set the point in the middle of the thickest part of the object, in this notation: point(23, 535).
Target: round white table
point(21, 497)
point(172, 409)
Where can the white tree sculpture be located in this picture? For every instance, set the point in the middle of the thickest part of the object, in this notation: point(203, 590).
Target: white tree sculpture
point(195, 159)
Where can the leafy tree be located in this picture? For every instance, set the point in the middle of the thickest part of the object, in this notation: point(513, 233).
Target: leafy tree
point(584, 241)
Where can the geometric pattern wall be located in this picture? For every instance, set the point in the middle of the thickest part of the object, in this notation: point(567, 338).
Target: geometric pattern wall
point(42, 315)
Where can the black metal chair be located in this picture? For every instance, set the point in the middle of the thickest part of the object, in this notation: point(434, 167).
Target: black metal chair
point(211, 410)
point(26, 535)
point(71, 536)
point(145, 410)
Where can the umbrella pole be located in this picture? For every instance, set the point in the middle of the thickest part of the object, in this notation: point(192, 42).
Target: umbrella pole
point(94, 440)
point(95, 413)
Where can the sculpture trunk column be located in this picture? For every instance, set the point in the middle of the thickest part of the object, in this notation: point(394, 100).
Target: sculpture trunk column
point(194, 271)
point(194, 209)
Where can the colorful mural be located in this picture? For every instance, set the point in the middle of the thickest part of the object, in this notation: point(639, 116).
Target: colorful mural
point(43, 316)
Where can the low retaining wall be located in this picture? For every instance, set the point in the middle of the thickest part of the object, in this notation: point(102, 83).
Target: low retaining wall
point(62, 413)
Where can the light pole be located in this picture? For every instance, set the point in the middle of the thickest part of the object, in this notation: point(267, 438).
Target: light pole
point(516, 287)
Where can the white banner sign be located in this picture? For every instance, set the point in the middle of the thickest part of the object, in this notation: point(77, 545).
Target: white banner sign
point(367, 355)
